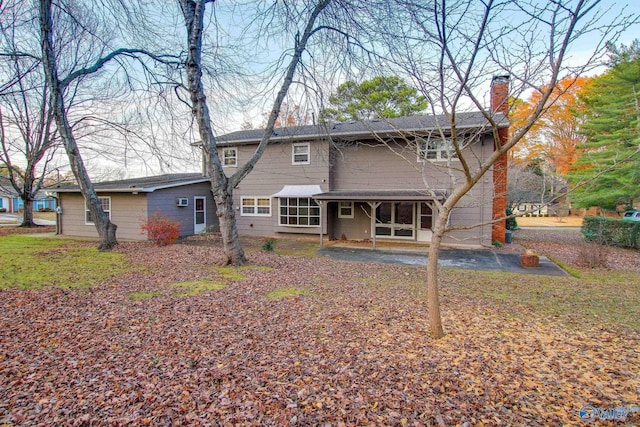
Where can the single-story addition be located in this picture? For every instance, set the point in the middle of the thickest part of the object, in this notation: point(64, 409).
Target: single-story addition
point(130, 202)
point(366, 180)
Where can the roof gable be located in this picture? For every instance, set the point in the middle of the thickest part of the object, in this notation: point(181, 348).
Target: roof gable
point(6, 189)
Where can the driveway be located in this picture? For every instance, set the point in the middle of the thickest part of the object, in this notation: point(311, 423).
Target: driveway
point(471, 259)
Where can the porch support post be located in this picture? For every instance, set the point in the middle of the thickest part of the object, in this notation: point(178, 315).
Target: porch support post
point(374, 206)
point(319, 202)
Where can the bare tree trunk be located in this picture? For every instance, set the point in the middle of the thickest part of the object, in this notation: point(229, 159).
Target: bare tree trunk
point(106, 229)
point(232, 248)
point(27, 196)
point(433, 298)
point(193, 16)
point(221, 186)
point(27, 214)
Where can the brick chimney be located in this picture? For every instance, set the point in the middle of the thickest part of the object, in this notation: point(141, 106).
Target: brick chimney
point(499, 104)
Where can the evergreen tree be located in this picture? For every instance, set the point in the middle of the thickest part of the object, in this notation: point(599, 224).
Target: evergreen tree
point(610, 160)
point(380, 97)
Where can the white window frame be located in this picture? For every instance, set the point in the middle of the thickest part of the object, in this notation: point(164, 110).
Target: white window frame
point(234, 157)
point(293, 153)
point(290, 208)
point(348, 205)
point(87, 212)
point(440, 150)
point(254, 205)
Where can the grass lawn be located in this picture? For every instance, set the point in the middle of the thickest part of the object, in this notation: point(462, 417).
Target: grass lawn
point(32, 262)
point(150, 335)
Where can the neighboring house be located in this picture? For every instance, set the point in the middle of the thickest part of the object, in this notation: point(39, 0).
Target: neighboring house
point(10, 202)
point(532, 208)
point(363, 180)
point(129, 203)
point(6, 198)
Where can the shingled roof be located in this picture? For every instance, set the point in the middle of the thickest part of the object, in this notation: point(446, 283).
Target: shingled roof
point(400, 125)
point(6, 189)
point(146, 184)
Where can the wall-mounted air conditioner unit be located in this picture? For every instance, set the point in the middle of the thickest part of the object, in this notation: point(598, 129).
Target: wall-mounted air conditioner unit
point(182, 201)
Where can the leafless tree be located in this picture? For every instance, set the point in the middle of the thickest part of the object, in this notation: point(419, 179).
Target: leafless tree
point(450, 48)
point(27, 132)
point(524, 185)
point(194, 13)
point(71, 59)
point(57, 88)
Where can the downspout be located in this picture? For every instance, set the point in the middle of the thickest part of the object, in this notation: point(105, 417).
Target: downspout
point(484, 189)
point(58, 211)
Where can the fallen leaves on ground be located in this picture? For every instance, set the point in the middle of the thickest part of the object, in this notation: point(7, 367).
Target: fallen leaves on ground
point(567, 246)
point(351, 348)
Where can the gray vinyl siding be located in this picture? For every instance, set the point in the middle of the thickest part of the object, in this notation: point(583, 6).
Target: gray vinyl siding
point(164, 200)
point(377, 167)
point(356, 228)
point(357, 166)
point(271, 173)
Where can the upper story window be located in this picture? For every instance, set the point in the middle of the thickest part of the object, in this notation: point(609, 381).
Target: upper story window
point(435, 149)
point(300, 153)
point(106, 207)
point(230, 157)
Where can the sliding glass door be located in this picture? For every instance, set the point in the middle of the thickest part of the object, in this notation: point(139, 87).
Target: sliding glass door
point(395, 219)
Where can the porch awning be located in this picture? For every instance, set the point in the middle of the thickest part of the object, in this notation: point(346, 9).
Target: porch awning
point(382, 195)
point(298, 191)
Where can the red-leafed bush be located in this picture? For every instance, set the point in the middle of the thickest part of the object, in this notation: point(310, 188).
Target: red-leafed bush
point(161, 229)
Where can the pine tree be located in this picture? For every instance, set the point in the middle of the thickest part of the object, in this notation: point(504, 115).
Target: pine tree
point(607, 172)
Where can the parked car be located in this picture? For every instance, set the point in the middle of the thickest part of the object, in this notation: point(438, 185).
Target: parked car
point(631, 216)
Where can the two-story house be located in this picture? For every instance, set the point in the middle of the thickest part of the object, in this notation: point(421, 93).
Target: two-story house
point(371, 180)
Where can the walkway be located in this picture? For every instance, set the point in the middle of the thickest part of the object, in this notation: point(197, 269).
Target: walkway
point(471, 259)
point(13, 220)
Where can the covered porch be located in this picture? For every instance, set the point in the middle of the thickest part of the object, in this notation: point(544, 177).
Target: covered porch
point(381, 215)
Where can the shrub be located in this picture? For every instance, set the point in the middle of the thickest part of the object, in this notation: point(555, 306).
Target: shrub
point(611, 232)
point(512, 224)
point(161, 229)
point(593, 255)
point(268, 245)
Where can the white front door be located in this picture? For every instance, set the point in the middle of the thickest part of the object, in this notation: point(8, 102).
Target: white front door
point(425, 221)
point(199, 214)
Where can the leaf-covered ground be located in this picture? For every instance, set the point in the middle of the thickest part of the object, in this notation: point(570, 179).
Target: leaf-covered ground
point(302, 341)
